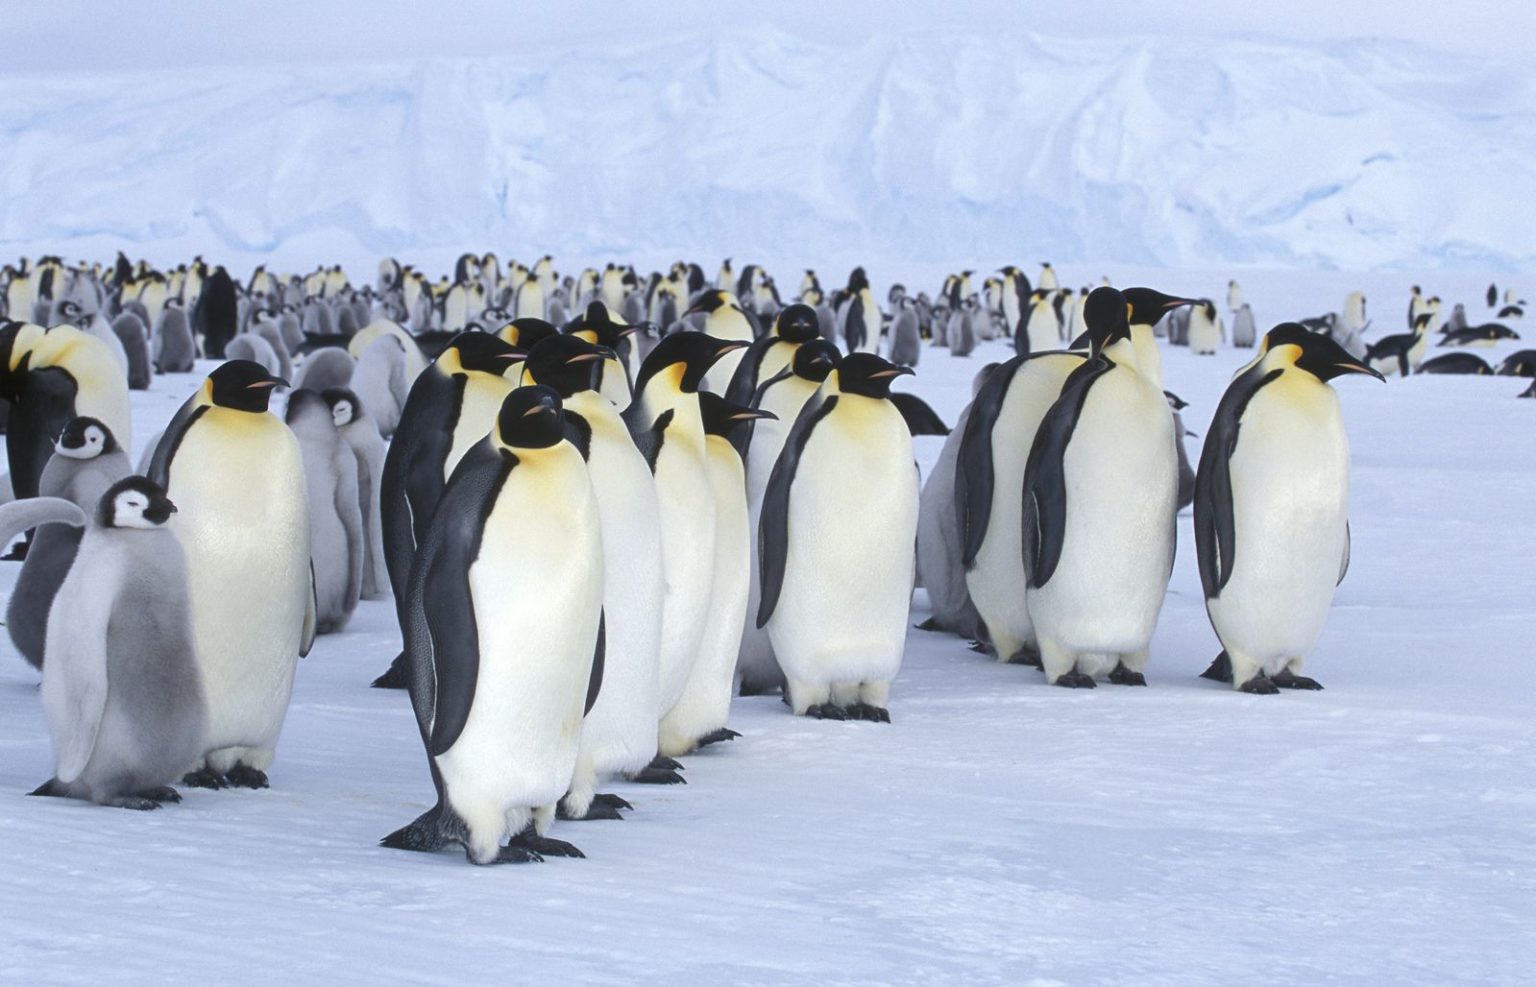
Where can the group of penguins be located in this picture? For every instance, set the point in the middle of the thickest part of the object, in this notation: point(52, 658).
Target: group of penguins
point(597, 529)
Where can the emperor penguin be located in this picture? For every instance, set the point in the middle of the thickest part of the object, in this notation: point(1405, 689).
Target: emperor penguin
point(134, 339)
point(338, 542)
point(1100, 492)
point(1487, 334)
point(1147, 307)
point(1234, 296)
point(700, 713)
point(505, 637)
point(989, 474)
point(781, 397)
point(723, 320)
point(531, 301)
point(1042, 327)
point(1447, 363)
point(1400, 352)
point(1186, 472)
point(237, 477)
point(1271, 509)
point(859, 317)
point(1015, 299)
point(1205, 331)
point(451, 407)
point(1047, 279)
point(382, 379)
point(121, 690)
point(961, 333)
point(619, 735)
point(328, 366)
point(668, 426)
point(906, 347)
point(820, 562)
point(249, 346)
point(598, 327)
point(1519, 364)
point(361, 435)
point(794, 326)
point(1244, 330)
point(215, 316)
point(85, 462)
point(1417, 305)
point(51, 376)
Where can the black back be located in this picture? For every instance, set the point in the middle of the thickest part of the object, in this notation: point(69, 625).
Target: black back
point(773, 527)
point(1215, 528)
point(1045, 477)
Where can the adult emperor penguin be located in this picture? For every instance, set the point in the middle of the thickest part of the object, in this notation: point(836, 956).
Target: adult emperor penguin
point(795, 326)
point(1148, 306)
point(989, 473)
point(236, 475)
point(1042, 328)
point(337, 537)
point(782, 396)
point(505, 637)
point(859, 316)
point(619, 736)
point(51, 376)
point(816, 571)
point(668, 425)
point(1400, 352)
point(85, 462)
point(1487, 334)
point(1271, 509)
point(1100, 491)
point(451, 407)
point(121, 690)
point(1205, 332)
point(597, 326)
point(724, 320)
point(361, 435)
point(700, 713)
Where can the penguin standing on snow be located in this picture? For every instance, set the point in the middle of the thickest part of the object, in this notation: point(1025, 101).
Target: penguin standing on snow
point(1244, 329)
point(121, 689)
point(336, 533)
point(1100, 492)
point(237, 477)
point(504, 634)
point(360, 434)
point(816, 571)
point(1186, 473)
point(906, 347)
point(1271, 502)
point(1204, 328)
point(724, 320)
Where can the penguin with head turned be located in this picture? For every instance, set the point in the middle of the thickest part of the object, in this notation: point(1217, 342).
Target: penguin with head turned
point(821, 562)
point(450, 408)
point(598, 327)
point(795, 326)
point(121, 691)
point(1271, 509)
point(505, 638)
point(236, 475)
point(1100, 497)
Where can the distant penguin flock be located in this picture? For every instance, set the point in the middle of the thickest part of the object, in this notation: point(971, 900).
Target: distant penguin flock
point(605, 503)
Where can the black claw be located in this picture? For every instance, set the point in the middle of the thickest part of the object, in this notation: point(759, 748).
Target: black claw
point(1259, 685)
point(597, 810)
point(1220, 669)
point(981, 647)
point(513, 854)
point(1286, 679)
point(717, 736)
point(204, 778)
point(47, 789)
point(658, 776)
point(163, 794)
point(826, 711)
point(134, 802)
point(665, 763)
point(865, 711)
point(1075, 680)
point(397, 677)
point(612, 801)
point(543, 846)
point(1124, 676)
point(1025, 656)
point(928, 625)
point(245, 776)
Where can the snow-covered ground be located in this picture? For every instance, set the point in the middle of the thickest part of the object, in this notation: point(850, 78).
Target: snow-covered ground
point(999, 831)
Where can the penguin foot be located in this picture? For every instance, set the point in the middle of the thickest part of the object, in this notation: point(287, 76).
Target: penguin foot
point(204, 778)
point(1124, 676)
point(512, 853)
point(602, 807)
point(981, 647)
point(1220, 670)
point(612, 801)
point(658, 776)
point(662, 763)
point(1259, 685)
point(543, 846)
point(48, 789)
point(163, 794)
point(1025, 656)
point(928, 625)
point(245, 776)
point(134, 802)
point(1286, 679)
point(397, 677)
point(864, 711)
point(1075, 680)
point(755, 688)
point(717, 736)
point(826, 711)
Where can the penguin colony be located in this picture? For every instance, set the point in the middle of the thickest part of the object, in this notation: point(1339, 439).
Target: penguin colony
point(604, 503)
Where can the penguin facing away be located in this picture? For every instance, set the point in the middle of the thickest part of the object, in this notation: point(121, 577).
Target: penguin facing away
point(939, 570)
point(815, 572)
point(121, 692)
point(1271, 498)
point(504, 634)
point(337, 539)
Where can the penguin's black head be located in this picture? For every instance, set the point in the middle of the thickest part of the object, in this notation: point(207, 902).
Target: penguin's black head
point(568, 364)
point(531, 418)
point(816, 359)
point(721, 417)
point(484, 352)
point(1148, 305)
point(85, 438)
point(529, 332)
point(345, 406)
point(867, 375)
point(857, 280)
point(597, 324)
point(1107, 315)
point(242, 385)
point(710, 301)
point(1175, 402)
point(134, 502)
point(693, 352)
point(797, 324)
point(1313, 352)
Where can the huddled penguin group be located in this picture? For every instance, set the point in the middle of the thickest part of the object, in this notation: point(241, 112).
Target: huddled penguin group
point(607, 502)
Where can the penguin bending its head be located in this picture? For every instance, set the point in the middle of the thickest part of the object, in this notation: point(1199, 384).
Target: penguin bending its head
point(794, 326)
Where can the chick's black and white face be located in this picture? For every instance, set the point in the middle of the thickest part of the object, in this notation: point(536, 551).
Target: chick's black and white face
point(341, 413)
point(137, 509)
point(86, 443)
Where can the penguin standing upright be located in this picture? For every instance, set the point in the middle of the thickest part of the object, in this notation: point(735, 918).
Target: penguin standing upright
point(906, 347)
point(121, 690)
point(700, 713)
point(858, 316)
point(1186, 472)
point(1042, 327)
point(1016, 293)
point(216, 316)
point(816, 571)
point(85, 462)
point(337, 539)
point(504, 634)
point(724, 320)
point(1204, 328)
point(236, 475)
point(1100, 492)
point(619, 365)
point(619, 736)
point(450, 408)
point(361, 435)
point(1244, 330)
point(1148, 306)
point(134, 339)
point(1271, 509)
point(794, 326)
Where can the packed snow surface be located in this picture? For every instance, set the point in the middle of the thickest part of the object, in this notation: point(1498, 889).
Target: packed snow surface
point(998, 831)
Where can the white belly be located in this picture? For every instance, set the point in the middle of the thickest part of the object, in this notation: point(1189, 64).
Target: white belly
point(1149, 359)
point(1044, 333)
point(483, 395)
point(687, 557)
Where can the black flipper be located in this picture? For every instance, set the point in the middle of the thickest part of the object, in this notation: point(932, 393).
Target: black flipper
point(46, 404)
point(773, 529)
point(1344, 563)
point(1045, 478)
point(920, 418)
point(973, 466)
point(578, 431)
point(412, 479)
point(1215, 527)
point(170, 441)
point(595, 682)
point(744, 380)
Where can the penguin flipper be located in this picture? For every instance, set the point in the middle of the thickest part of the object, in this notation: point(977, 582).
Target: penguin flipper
point(1344, 562)
point(595, 681)
point(744, 380)
point(311, 616)
point(23, 515)
point(1045, 477)
point(170, 440)
point(773, 529)
point(77, 673)
point(35, 423)
point(1215, 525)
point(920, 418)
point(973, 468)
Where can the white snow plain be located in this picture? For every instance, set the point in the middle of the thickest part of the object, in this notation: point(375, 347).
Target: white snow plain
point(998, 831)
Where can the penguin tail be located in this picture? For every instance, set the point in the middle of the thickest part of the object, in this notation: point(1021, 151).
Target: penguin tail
point(432, 830)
